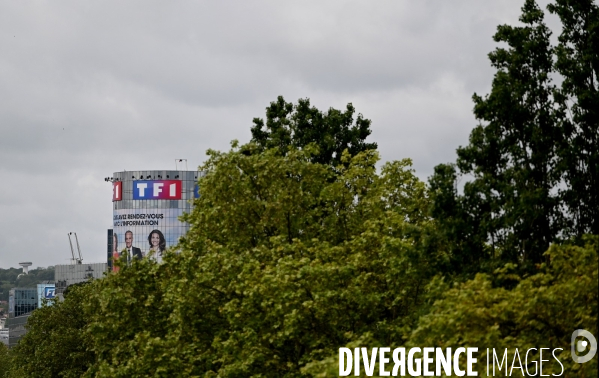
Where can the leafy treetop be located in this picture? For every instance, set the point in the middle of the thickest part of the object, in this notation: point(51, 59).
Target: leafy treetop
point(288, 125)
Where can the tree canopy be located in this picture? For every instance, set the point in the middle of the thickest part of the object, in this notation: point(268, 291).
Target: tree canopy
point(55, 344)
point(281, 267)
point(299, 244)
point(577, 62)
point(537, 311)
point(542, 310)
point(532, 158)
point(296, 126)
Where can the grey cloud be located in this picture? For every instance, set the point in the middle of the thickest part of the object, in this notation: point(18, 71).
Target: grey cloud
point(135, 85)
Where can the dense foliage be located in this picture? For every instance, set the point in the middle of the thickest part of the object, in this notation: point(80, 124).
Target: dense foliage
point(297, 126)
point(577, 63)
point(539, 311)
point(282, 266)
point(56, 345)
point(5, 361)
point(299, 245)
point(533, 157)
point(542, 310)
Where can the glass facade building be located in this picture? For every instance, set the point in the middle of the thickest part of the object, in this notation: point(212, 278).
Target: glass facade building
point(22, 301)
point(66, 275)
point(146, 209)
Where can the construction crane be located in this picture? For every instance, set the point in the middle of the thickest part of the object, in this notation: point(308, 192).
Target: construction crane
point(75, 260)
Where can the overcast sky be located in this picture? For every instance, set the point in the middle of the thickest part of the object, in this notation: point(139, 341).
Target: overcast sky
point(92, 88)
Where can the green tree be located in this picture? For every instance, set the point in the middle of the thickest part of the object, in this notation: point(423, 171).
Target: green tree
point(281, 266)
point(55, 344)
point(533, 158)
point(8, 279)
point(578, 63)
point(9, 274)
point(5, 361)
point(461, 220)
point(35, 276)
point(296, 126)
point(510, 208)
point(539, 311)
point(542, 310)
point(129, 322)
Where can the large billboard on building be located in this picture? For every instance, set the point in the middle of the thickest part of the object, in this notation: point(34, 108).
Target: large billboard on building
point(143, 230)
point(146, 210)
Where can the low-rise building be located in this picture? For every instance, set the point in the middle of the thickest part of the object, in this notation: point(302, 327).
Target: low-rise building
point(66, 275)
point(21, 303)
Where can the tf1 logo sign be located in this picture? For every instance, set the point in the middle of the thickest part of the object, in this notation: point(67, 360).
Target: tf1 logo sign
point(117, 191)
point(49, 292)
point(157, 190)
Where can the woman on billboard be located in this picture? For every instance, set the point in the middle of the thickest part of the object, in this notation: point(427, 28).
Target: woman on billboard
point(157, 244)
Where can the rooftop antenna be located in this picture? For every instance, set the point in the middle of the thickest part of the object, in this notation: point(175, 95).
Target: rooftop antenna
point(75, 260)
point(177, 161)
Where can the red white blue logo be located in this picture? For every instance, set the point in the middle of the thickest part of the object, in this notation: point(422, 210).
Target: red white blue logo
point(157, 190)
point(117, 191)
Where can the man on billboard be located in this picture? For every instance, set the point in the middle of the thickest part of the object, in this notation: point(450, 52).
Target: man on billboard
point(131, 250)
